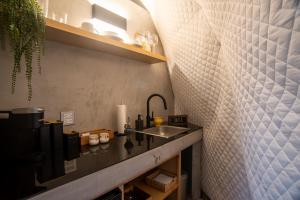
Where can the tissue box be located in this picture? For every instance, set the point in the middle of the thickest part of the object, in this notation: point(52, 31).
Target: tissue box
point(162, 180)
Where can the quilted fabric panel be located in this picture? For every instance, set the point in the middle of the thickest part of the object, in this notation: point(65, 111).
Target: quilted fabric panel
point(234, 66)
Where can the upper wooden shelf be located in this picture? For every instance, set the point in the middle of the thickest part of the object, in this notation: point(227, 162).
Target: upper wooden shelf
point(71, 35)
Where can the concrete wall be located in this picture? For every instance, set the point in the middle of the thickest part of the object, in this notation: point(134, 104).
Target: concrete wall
point(89, 82)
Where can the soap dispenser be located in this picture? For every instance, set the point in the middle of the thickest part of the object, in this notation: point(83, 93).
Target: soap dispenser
point(152, 120)
point(139, 123)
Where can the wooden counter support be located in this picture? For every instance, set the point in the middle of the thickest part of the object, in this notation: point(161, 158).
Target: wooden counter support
point(174, 166)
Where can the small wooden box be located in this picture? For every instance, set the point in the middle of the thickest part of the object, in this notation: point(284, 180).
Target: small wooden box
point(160, 186)
point(84, 140)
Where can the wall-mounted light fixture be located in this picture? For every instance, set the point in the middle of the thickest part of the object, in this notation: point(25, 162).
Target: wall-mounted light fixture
point(109, 17)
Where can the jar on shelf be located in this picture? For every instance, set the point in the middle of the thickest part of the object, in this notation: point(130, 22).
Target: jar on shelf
point(44, 4)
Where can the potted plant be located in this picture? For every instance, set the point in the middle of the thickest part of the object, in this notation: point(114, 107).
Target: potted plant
point(22, 24)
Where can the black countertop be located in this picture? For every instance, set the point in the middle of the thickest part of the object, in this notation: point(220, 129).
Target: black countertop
point(95, 158)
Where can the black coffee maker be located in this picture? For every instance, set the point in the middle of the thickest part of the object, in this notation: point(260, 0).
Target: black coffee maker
point(19, 130)
point(27, 151)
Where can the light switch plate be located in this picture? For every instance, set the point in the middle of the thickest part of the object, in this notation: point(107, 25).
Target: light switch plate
point(67, 117)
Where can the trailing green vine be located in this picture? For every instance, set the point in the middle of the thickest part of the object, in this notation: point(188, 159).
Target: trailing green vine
point(22, 24)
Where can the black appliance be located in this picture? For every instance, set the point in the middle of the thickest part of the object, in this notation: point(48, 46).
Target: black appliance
point(27, 152)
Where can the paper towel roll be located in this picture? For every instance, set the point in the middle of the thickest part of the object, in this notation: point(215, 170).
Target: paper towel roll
point(121, 117)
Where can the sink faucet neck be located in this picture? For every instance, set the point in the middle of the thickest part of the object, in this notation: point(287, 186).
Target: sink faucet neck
point(148, 118)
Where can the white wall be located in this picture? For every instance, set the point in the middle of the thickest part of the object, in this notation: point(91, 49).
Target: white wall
point(234, 67)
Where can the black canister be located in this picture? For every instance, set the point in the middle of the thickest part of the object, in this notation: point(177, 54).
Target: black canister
point(71, 145)
point(44, 171)
point(56, 134)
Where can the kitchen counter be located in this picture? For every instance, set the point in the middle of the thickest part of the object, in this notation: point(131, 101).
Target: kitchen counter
point(96, 158)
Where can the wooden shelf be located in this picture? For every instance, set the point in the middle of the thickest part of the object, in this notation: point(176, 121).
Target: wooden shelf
point(71, 35)
point(155, 193)
point(172, 165)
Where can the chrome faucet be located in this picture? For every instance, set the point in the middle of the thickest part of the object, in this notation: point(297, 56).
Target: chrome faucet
point(148, 118)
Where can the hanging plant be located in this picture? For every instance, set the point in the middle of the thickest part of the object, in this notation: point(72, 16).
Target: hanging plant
point(22, 23)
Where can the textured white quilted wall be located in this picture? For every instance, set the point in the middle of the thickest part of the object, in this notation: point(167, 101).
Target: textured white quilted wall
point(235, 69)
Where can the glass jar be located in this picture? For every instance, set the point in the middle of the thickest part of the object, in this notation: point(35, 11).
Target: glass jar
point(93, 139)
point(44, 4)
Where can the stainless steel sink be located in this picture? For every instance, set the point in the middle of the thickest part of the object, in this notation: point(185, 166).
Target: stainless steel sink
point(164, 131)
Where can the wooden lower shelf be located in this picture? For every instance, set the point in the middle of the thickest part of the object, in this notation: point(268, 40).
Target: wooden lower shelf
point(155, 193)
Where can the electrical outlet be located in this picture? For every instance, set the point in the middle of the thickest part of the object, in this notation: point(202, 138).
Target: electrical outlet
point(70, 166)
point(67, 117)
